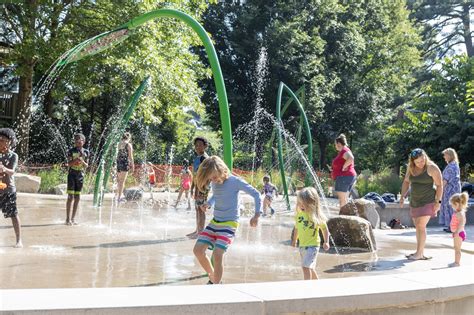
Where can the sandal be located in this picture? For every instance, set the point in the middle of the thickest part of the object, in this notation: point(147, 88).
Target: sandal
point(421, 258)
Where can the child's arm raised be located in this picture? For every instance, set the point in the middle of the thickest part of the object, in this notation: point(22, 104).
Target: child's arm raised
point(82, 161)
point(249, 189)
point(9, 171)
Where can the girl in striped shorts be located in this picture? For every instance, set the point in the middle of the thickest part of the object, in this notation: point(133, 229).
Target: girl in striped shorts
point(220, 232)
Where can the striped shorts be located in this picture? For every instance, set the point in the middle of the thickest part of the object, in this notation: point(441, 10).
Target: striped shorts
point(218, 234)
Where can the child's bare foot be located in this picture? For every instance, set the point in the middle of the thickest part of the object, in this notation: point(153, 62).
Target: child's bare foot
point(193, 235)
point(211, 278)
point(19, 244)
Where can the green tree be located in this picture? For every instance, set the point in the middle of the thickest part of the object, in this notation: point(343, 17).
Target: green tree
point(446, 25)
point(29, 29)
point(368, 57)
point(354, 58)
point(93, 89)
point(439, 118)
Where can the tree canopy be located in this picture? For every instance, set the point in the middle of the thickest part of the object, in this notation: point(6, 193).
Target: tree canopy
point(392, 75)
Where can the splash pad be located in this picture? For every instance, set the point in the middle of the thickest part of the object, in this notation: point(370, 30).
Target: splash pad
point(120, 260)
point(147, 259)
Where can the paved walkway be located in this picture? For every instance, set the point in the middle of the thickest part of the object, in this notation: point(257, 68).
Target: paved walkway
point(146, 246)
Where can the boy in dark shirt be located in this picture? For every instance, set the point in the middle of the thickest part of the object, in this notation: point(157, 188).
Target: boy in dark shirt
point(77, 162)
point(8, 163)
point(200, 198)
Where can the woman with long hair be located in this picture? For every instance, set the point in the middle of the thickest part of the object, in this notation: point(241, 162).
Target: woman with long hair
point(451, 186)
point(426, 183)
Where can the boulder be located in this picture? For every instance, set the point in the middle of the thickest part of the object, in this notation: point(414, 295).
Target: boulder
point(60, 189)
point(133, 194)
point(349, 209)
point(27, 183)
point(352, 232)
point(354, 193)
point(367, 210)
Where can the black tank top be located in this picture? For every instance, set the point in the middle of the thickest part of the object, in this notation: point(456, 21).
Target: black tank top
point(122, 154)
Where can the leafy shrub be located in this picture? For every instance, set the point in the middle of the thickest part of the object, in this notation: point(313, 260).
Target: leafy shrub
point(50, 178)
point(380, 183)
point(295, 182)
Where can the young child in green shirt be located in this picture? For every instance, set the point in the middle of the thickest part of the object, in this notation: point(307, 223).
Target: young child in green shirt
point(308, 220)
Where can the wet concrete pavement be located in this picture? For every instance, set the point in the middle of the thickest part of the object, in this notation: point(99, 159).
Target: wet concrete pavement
point(146, 246)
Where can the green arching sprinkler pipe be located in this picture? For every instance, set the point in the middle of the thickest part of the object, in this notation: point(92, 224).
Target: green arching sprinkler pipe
point(280, 150)
point(109, 150)
point(301, 95)
point(123, 125)
point(108, 39)
point(300, 127)
point(215, 67)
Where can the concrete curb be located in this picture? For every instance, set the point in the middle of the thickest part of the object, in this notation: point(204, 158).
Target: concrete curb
point(432, 292)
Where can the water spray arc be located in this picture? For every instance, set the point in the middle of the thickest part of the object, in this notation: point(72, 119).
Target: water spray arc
point(106, 40)
point(301, 94)
point(110, 147)
point(213, 60)
point(282, 87)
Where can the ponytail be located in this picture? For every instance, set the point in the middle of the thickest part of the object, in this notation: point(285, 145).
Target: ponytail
point(462, 199)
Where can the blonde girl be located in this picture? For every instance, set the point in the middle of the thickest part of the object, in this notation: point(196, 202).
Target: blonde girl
point(308, 220)
point(220, 232)
point(458, 220)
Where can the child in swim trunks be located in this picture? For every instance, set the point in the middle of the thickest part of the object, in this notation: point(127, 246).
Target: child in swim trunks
point(220, 232)
point(8, 164)
point(186, 180)
point(269, 191)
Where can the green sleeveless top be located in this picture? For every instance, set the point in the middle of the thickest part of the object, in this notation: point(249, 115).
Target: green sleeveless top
point(422, 190)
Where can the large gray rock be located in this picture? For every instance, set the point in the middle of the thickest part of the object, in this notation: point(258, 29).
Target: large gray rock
point(27, 183)
point(352, 232)
point(60, 189)
point(349, 209)
point(367, 210)
point(133, 194)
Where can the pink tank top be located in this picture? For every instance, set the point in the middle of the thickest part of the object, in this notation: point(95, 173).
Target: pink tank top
point(338, 163)
point(454, 223)
point(186, 181)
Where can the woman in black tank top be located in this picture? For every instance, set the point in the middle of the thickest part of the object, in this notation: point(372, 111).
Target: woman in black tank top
point(124, 163)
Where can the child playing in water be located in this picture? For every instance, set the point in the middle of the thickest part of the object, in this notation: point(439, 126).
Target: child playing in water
point(269, 190)
point(220, 232)
point(8, 163)
point(458, 220)
point(186, 179)
point(77, 162)
point(309, 219)
point(200, 197)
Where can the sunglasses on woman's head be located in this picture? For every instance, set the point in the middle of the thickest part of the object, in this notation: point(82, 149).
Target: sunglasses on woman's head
point(416, 153)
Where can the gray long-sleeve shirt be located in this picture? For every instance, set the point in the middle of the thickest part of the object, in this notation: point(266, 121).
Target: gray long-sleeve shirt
point(225, 198)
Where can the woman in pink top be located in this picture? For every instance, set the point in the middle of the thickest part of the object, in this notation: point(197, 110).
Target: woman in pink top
point(342, 170)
